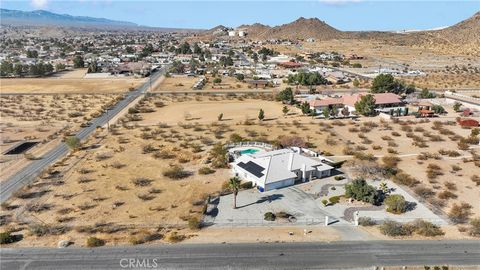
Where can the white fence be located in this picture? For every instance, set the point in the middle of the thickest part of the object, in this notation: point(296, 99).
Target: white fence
point(247, 144)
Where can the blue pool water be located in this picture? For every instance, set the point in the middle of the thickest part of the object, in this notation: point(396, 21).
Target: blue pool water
point(249, 151)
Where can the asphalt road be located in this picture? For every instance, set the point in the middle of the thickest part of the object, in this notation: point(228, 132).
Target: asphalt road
point(29, 172)
point(336, 255)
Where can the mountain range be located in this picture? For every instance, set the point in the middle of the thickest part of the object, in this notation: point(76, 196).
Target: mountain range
point(46, 18)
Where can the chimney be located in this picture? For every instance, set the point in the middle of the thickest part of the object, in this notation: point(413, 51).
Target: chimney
point(304, 172)
point(290, 161)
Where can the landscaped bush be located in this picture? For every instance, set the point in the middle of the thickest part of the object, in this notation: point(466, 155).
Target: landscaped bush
point(176, 172)
point(339, 177)
point(206, 170)
point(246, 185)
point(359, 190)
point(460, 213)
point(269, 216)
point(333, 200)
point(95, 242)
point(396, 204)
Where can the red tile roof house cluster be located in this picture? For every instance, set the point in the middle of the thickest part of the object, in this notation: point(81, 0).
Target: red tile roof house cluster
point(384, 102)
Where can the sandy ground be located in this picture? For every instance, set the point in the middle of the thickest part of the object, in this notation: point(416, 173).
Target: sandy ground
point(45, 119)
point(68, 85)
point(265, 234)
point(185, 83)
point(208, 111)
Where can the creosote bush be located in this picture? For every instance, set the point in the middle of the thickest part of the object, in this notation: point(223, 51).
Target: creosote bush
point(95, 242)
point(176, 172)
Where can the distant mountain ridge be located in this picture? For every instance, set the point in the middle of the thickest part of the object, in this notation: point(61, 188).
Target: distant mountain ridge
point(47, 18)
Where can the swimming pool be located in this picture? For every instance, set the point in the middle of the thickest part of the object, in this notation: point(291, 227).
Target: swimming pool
point(249, 151)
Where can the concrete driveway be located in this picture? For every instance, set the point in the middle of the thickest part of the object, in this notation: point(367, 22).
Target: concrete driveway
point(252, 205)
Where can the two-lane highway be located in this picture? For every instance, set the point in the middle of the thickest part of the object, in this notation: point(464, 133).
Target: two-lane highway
point(336, 255)
point(29, 172)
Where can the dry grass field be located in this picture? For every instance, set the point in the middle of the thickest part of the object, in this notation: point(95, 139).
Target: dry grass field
point(145, 180)
point(68, 85)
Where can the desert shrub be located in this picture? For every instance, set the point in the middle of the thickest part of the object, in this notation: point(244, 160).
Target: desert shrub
point(117, 165)
point(206, 170)
point(164, 154)
point(176, 172)
point(142, 181)
point(174, 237)
point(37, 207)
point(145, 197)
point(396, 204)
point(404, 179)
point(446, 194)
point(95, 242)
point(364, 156)
point(426, 228)
point(194, 223)
point(103, 156)
point(41, 229)
point(269, 216)
point(235, 138)
point(148, 149)
point(390, 161)
point(359, 190)
point(7, 238)
point(366, 221)
point(460, 213)
point(144, 237)
point(474, 229)
point(339, 177)
point(393, 228)
point(476, 179)
point(424, 192)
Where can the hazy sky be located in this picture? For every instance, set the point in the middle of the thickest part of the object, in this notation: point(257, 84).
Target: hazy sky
point(341, 14)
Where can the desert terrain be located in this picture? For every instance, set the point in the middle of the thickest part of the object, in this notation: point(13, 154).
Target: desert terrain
point(152, 172)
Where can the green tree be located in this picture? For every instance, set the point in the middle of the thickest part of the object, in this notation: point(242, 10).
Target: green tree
point(261, 115)
point(426, 94)
point(305, 107)
point(72, 142)
point(18, 69)
point(326, 112)
point(93, 67)
point(234, 186)
point(240, 77)
point(386, 83)
point(78, 62)
point(217, 80)
point(359, 190)
point(6, 68)
point(366, 105)
point(285, 95)
point(456, 106)
point(285, 111)
point(59, 67)
point(32, 54)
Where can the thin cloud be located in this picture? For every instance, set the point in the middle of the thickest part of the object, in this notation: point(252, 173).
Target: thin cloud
point(39, 3)
point(338, 2)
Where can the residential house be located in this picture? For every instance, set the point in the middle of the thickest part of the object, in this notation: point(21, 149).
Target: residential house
point(279, 168)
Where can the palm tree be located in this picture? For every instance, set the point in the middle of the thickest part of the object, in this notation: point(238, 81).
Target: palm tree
point(234, 185)
point(383, 187)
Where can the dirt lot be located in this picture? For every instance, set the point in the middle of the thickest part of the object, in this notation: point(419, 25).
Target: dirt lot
point(45, 119)
point(120, 183)
point(185, 83)
point(68, 85)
